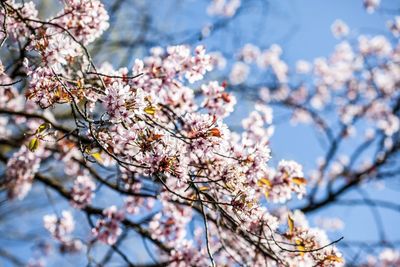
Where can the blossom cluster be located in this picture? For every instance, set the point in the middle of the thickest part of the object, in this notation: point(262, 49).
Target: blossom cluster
point(264, 59)
point(82, 191)
point(21, 169)
point(360, 78)
point(16, 28)
point(86, 20)
point(371, 5)
point(217, 101)
point(60, 227)
point(224, 8)
point(107, 229)
point(388, 257)
point(285, 180)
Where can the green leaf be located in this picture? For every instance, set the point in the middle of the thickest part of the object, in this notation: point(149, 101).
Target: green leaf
point(34, 144)
point(43, 127)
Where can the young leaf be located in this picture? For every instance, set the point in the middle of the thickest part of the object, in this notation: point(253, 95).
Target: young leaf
point(334, 258)
point(264, 182)
point(214, 132)
point(290, 224)
point(300, 247)
point(43, 127)
point(299, 180)
point(192, 197)
point(79, 84)
point(97, 157)
point(150, 110)
point(34, 144)
point(226, 97)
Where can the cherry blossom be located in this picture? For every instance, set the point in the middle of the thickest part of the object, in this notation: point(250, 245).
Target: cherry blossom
point(371, 5)
point(82, 191)
point(21, 169)
point(226, 8)
point(239, 73)
point(388, 257)
point(217, 101)
point(61, 227)
point(339, 29)
point(394, 26)
point(87, 20)
point(18, 29)
point(107, 229)
point(55, 48)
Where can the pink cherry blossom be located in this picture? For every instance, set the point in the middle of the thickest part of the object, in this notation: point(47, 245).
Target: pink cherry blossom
point(107, 228)
point(82, 191)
